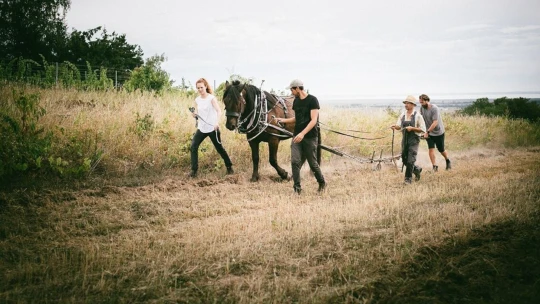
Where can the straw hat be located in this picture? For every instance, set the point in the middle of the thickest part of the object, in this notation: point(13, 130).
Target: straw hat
point(410, 99)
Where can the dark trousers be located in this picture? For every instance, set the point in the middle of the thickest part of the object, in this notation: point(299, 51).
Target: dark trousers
point(410, 145)
point(300, 152)
point(216, 139)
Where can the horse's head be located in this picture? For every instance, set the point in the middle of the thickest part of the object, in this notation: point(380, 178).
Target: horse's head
point(235, 103)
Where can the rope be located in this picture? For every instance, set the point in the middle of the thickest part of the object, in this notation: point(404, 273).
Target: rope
point(349, 135)
point(347, 130)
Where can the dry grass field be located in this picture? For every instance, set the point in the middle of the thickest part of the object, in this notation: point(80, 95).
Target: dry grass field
point(468, 235)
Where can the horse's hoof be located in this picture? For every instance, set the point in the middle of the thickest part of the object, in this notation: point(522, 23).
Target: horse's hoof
point(254, 179)
point(286, 177)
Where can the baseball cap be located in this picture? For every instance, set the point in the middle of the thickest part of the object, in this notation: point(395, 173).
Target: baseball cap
point(295, 83)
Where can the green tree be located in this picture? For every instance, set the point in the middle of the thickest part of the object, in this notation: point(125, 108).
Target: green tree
point(519, 107)
point(32, 27)
point(510, 107)
point(150, 76)
point(102, 49)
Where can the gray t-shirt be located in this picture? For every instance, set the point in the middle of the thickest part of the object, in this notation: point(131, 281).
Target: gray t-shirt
point(429, 116)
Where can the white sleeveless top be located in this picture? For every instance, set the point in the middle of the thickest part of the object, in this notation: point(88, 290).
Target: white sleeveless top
point(207, 112)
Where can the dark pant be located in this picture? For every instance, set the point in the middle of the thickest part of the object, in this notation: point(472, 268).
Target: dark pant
point(302, 151)
point(410, 145)
point(196, 142)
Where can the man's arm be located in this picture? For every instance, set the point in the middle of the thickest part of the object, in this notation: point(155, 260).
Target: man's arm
point(434, 124)
point(286, 120)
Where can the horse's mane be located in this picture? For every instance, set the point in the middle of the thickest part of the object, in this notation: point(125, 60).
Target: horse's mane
point(252, 92)
point(234, 88)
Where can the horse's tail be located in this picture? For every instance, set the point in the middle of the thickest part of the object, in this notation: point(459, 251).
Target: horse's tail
point(319, 142)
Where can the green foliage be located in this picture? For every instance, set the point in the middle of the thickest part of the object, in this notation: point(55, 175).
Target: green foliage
point(144, 126)
point(76, 154)
point(221, 88)
point(36, 29)
point(150, 76)
point(509, 107)
point(19, 70)
point(522, 133)
point(105, 50)
point(95, 81)
point(28, 149)
point(32, 27)
point(24, 142)
point(70, 75)
point(48, 78)
point(520, 108)
point(104, 82)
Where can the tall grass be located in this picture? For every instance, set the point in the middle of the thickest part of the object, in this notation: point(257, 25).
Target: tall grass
point(224, 240)
point(135, 131)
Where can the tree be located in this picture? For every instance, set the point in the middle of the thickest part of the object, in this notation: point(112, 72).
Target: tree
point(32, 27)
point(509, 107)
point(102, 49)
point(150, 76)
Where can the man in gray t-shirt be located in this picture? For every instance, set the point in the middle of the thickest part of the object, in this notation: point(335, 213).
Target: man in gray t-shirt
point(435, 131)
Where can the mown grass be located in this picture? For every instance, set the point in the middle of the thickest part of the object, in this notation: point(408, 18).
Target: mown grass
point(454, 236)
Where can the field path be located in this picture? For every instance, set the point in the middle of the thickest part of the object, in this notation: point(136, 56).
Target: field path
point(368, 239)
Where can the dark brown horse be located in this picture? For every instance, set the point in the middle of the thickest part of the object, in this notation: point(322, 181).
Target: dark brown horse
point(253, 112)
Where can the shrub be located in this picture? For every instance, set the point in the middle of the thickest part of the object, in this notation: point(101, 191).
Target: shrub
point(26, 148)
point(509, 107)
point(24, 142)
point(143, 125)
point(149, 77)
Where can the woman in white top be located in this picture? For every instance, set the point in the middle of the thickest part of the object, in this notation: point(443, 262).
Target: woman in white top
point(207, 112)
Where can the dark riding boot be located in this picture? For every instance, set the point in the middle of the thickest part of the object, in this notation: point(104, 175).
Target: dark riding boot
point(322, 187)
point(230, 170)
point(416, 172)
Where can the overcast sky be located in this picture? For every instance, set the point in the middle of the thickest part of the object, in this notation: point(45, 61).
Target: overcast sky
point(338, 48)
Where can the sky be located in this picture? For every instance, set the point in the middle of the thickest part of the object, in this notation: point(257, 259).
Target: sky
point(339, 49)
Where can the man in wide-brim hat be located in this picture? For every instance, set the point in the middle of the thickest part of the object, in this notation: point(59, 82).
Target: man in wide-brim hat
point(413, 125)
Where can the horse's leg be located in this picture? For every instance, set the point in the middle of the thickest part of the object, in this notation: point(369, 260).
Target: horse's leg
point(254, 145)
point(273, 144)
